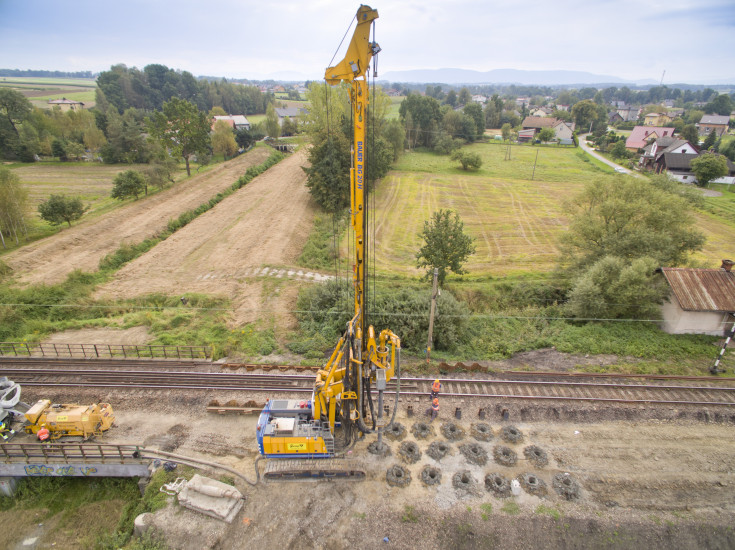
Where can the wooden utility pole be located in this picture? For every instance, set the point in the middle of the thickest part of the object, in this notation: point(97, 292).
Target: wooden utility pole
point(431, 314)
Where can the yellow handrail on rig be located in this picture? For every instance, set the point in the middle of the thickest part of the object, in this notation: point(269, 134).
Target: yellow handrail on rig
point(342, 391)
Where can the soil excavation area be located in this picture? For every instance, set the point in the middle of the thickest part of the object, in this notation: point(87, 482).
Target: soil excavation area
point(266, 223)
point(84, 244)
point(646, 484)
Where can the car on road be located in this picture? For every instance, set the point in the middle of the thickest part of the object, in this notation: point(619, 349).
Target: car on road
point(620, 170)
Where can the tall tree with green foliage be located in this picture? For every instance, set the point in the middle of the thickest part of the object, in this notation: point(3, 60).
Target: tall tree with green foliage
point(709, 141)
point(708, 167)
point(223, 140)
point(446, 246)
point(13, 205)
point(182, 128)
point(60, 208)
point(690, 133)
point(272, 126)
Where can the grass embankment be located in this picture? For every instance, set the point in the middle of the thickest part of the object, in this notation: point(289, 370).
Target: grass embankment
point(30, 314)
point(84, 513)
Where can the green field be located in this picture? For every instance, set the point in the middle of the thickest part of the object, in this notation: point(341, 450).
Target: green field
point(40, 90)
point(514, 212)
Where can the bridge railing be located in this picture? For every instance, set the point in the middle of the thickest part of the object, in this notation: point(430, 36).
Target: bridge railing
point(68, 452)
point(102, 351)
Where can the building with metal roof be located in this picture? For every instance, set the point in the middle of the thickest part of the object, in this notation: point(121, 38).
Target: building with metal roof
point(702, 301)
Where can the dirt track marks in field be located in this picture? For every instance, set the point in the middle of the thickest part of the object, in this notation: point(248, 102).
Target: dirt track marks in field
point(83, 245)
point(266, 223)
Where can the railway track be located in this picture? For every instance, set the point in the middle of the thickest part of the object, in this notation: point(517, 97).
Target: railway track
point(700, 391)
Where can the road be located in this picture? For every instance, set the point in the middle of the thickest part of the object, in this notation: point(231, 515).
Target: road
point(589, 151)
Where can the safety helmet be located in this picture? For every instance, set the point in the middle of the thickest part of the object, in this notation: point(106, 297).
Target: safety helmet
point(436, 401)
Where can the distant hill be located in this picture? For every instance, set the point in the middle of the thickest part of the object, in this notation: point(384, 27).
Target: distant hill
point(504, 76)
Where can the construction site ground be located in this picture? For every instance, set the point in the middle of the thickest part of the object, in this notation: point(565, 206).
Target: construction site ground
point(646, 482)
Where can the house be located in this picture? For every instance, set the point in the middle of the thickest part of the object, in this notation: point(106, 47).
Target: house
point(656, 119)
point(236, 122)
point(293, 113)
point(66, 104)
point(678, 167)
point(713, 123)
point(526, 135)
point(668, 144)
point(481, 99)
point(537, 123)
point(629, 113)
point(702, 301)
point(641, 135)
point(614, 117)
point(563, 130)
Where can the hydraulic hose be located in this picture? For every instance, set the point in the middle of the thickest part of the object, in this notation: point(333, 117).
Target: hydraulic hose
point(197, 463)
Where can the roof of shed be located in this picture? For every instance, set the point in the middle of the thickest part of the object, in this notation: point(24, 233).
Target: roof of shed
point(702, 289)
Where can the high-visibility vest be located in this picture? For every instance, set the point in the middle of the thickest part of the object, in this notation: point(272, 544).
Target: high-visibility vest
point(436, 386)
point(435, 405)
point(43, 434)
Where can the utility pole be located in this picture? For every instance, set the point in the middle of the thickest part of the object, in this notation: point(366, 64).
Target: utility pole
point(431, 314)
point(534, 165)
point(715, 369)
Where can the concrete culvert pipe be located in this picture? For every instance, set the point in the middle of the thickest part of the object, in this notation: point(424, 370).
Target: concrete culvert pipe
point(474, 453)
point(566, 486)
point(398, 476)
point(452, 431)
point(498, 484)
point(463, 480)
point(396, 432)
point(438, 450)
point(422, 430)
point(410, 452)
point(536, 455)
point(481, 431)
point(532, 484)
point(431, 475)
point(504, 456)
point(511, 434)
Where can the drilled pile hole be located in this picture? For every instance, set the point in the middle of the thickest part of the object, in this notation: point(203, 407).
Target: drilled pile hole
point(498, 484)
point(438, 450)
point(422, 430)
point(481, 431)
point(396, 432)
point(463, 480)
point(398, 476)
point(532, 484)
point(536, 455)
point(474, 453)
point(566, 486)
point(511, 434)
point(504, 456)
point(381, 450)
point(452, 431)
point(410, 452)
point(431, 475)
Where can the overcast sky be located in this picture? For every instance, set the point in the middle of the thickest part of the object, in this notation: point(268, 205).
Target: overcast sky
point(692, 40)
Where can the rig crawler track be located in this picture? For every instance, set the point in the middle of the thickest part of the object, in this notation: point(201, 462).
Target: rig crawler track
point(700, 391)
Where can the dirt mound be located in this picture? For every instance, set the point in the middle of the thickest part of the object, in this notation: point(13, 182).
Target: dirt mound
point(85, 244)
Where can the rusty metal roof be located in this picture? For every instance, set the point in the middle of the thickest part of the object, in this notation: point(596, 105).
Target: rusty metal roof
point(702, 289)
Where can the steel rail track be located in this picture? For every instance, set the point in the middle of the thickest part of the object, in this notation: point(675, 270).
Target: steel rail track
point(544, 390)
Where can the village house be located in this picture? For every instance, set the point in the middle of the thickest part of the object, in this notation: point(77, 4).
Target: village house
point(713, 123)
point(656, 119)
point(563, 130)
point(668, 144)
point(66, 104)
point(702, 301)
point(641, 135)
point(294, 113)
point(236, 122)
point(629, 113)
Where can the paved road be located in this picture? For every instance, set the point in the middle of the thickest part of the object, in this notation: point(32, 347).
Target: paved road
point(589, 151)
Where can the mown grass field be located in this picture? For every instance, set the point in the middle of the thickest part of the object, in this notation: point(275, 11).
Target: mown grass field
point(40, 90)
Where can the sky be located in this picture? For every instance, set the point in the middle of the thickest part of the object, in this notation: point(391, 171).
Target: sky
point(691, 40)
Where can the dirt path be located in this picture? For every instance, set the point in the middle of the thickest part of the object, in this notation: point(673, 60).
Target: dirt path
point(82, 246)
point(223, 251)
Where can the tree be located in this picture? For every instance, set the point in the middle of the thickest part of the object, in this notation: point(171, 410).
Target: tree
point(546, 134)
point(130, 183)
point(60, 208)
point(464, 96)
point(709, 141)
point(13, 205)
point(469, 161)
point(271, 122)
point(329, 160)
point(474, 111)
point(627, 218)
point(618, 150)
point(506, 131)
point(446, 247)
point(587, 113)
point(691, 134)
point(14, 109)
point(223, 140)
point(182, 128)
point(708, 167)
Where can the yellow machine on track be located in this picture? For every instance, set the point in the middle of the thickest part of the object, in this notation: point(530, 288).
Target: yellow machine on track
point(342, 404)
point(52, 421)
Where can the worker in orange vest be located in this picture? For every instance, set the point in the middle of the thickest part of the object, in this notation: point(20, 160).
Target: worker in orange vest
point(434, 408)
point(43, 434)
point(435, 389)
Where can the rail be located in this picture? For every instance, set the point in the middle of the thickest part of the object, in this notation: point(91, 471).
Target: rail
point(101, 351)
